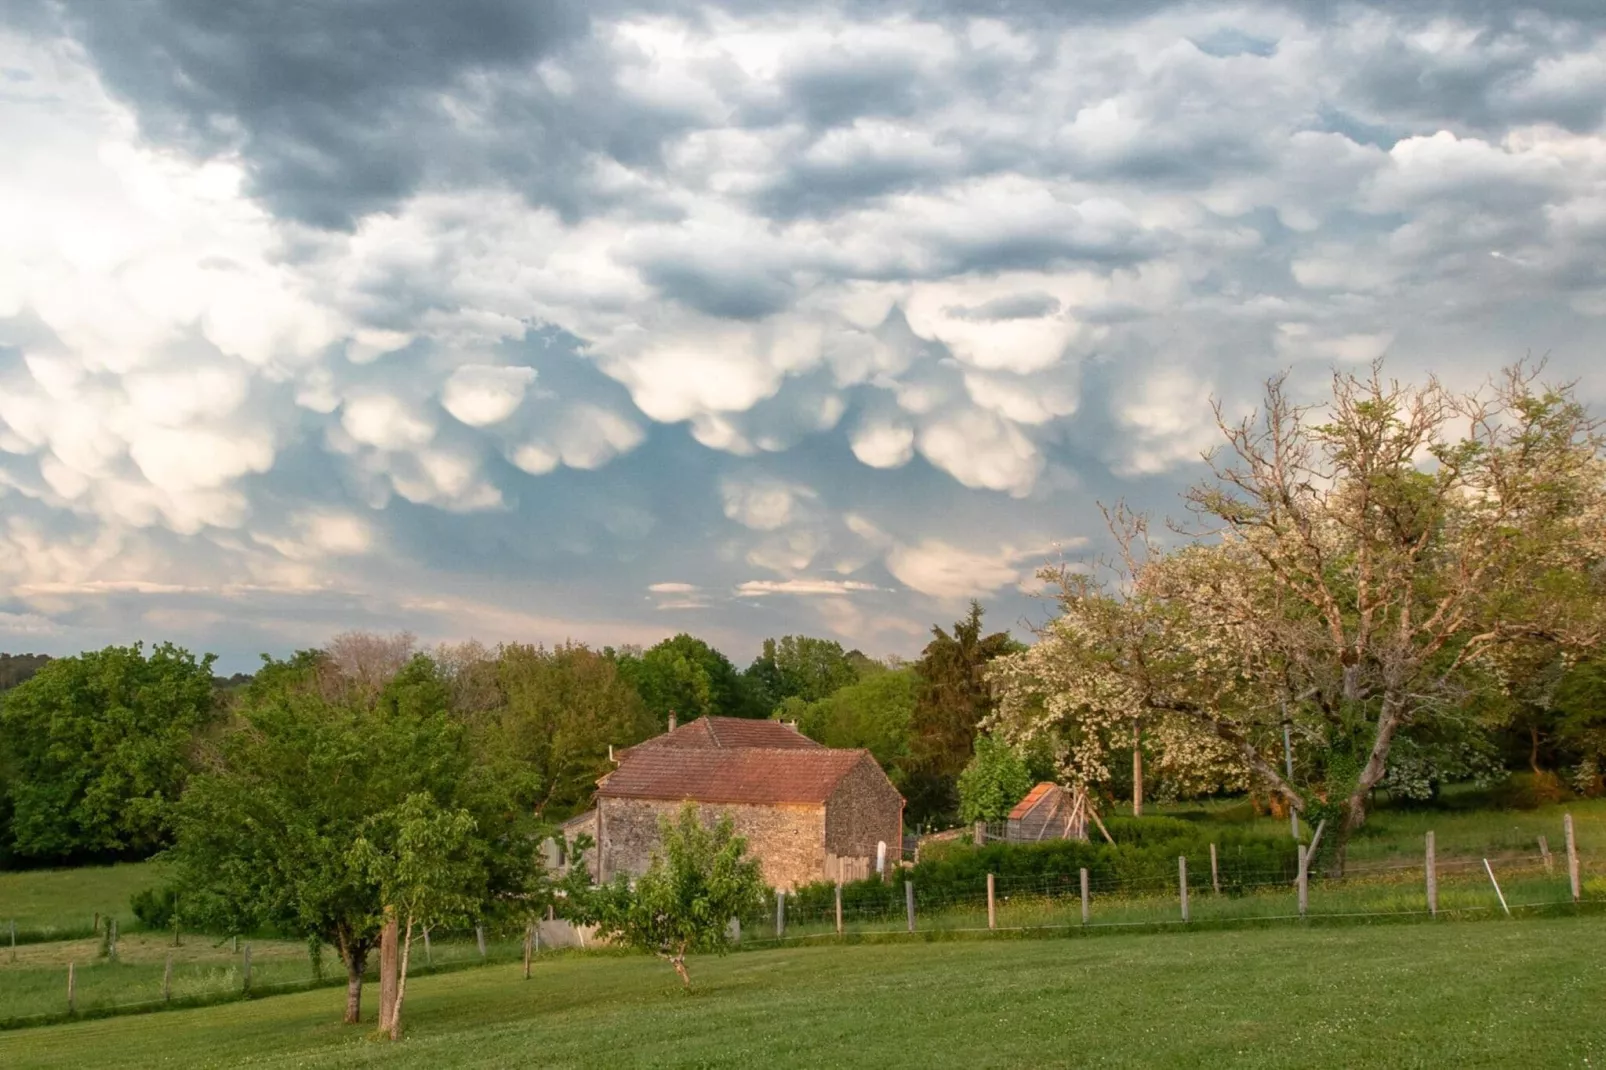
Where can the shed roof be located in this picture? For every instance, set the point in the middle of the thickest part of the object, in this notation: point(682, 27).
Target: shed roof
point(757, 775)
point(728, 732)
point(1033, 799)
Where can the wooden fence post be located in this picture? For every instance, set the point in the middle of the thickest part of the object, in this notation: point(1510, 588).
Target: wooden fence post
point(167, 979)
point(1304, 880)
point(839, 908)
point(245, 971)
point(1432, 869)
point(479, 938)
point(429, 954)
point(978, 835)
point(72, 988)
point(1572, 857)
point(111, 938)
point(1182, 883)
point(1086, 912)
point(527, 929)
point(13, 939)
point(909, 902)
point(97, 923)
point(1544, 852)
point(1215, 874)
point(992, 908)
point(780, 913)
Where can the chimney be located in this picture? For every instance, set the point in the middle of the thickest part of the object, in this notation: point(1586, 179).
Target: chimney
point(671, 720)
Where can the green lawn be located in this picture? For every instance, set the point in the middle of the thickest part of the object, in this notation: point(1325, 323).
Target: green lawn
point(63, 902)
point(1495, 994)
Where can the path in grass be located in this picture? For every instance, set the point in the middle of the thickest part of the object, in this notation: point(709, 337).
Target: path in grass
point(1490, 994)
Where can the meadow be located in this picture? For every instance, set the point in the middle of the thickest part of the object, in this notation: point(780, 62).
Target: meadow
point(59, 904)
point(1481, 994)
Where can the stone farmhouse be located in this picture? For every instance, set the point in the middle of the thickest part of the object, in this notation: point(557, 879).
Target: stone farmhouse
point(808, 812)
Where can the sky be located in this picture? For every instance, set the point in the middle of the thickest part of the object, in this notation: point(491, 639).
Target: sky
point(606, 320)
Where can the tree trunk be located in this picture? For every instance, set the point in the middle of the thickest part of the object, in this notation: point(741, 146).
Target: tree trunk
point(387, 972)
point(679, 963)
point(1376, 765)
point(401, 982)
point(1137, 767)
point(1533, 749)
point(356, 960)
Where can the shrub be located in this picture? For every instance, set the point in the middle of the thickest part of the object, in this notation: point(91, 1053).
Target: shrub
point(155, 907)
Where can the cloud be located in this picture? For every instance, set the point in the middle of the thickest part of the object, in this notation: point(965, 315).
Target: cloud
point(949, 572)
point(483, 394)
point(760, 588)
point(765, 504)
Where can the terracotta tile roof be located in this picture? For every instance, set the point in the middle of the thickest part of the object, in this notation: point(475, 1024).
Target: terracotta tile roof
point(726, 732)
point(1033, 797)
point(761, 775)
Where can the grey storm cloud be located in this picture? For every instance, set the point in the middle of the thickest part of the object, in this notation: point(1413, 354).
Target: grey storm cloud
point(608, 319)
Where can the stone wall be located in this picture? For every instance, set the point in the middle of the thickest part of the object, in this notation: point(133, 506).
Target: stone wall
point(865, 809)
point(788, 841)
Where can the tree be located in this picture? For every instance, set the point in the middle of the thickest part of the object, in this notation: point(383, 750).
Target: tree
point(430, 867)
point(994, 781)
point(314, 762)
point(1367, 568)
point(559, 711)
point(802, 667)
point(875, 714)
point(953, 700)
point(93, 750)
point(685, 676)
point(698, 881)
point(19, 668)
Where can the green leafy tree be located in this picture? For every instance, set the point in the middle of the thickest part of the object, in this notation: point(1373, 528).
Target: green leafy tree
point(802, 667)
point(19, 668)
point(559, 711)
point(315, 761)
point(94, 750)
point(995, 780)
point(954, 698)
point(876, 714)
point(698, 881)
point(685, 676)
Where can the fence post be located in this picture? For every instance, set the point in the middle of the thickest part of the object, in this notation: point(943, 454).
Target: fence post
point(1215, 874)
point(839, 908)
point(1544, 852)
point(1572, 856)
point(909, 902)
point(780, 913)
point(1182, 883)
point(167, 979)
point(992, 911)
point(1432, 869)
point(13, 939)
point(246, 971)
point(479, 938)
point(527, 929)
point(97, 923)
point(1085, 905)
point(1487, 868)
point(979, 836)
point(1304, 880)
point(72, 988)
point(429, 954)
point(111, 938)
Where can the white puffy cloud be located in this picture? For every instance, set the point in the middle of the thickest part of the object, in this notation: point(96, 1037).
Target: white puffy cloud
point(944, 571)
point(481, 394)
point(765, 504)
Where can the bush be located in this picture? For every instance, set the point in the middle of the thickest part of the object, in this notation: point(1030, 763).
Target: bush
point(155, 907)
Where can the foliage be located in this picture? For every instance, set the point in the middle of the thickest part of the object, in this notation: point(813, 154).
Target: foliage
point(685, 676)
point(19, 668)
point(994, 781)
point(699, 880)
point(800, 667)
point(874, 714)
point(315, 762)
point(1375, 566)
point(155, 907)
point(556, 714)
point(954, 699)
point(93, 750)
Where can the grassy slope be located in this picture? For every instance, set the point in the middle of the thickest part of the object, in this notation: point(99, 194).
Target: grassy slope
point(66, 900)
point(1480, 994)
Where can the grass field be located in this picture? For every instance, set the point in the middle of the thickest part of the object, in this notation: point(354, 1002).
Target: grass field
point(1492, 994)
point(52, 903)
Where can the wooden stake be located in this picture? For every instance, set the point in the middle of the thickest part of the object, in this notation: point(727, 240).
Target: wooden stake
point(839, 908)
point(992, 907)
point(1086, 906)
point(909, 902)
point(527, 929)
point(245, 971)
point(1304, 880)
point(1572, 857)
point(111, 938)
point(780, 913)
point(479, 937)
point(1544, 852)
point(1182, 883)
point(429, 954)
point(1432, 870)
point(1490, 870)
point(167, 979)
point(978, 835)
point(72, 988)
point(13, 939)
point(1215, 875)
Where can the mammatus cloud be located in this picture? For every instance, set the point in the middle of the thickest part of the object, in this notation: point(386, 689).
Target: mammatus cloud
point(838, 315)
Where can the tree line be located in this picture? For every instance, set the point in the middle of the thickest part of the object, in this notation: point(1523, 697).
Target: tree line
point(96, 749)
